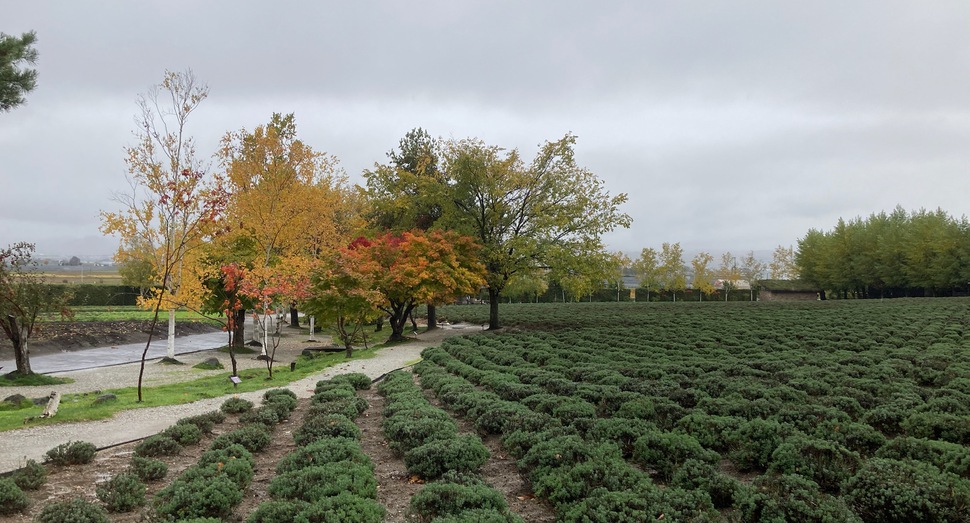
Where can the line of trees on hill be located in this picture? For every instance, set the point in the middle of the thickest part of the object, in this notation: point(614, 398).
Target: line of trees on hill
point(922, 253)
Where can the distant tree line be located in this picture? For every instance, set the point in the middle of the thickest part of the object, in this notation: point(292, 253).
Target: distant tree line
point(923, 253)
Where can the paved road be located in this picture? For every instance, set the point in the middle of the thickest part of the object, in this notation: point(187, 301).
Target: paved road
point(117, 354)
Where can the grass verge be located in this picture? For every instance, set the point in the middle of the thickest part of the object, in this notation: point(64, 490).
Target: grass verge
point(81, 406)
point(15, 379)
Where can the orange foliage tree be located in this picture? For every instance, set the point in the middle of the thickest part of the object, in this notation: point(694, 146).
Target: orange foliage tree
point(417, 267)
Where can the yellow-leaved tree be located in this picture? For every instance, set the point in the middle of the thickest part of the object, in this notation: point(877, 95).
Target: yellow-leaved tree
point(173, 205)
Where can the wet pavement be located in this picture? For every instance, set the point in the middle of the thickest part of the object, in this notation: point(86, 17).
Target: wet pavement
point(117, 354)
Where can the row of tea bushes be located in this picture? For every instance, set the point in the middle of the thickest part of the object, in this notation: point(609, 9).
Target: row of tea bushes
point(212, 487)
point(667, 421)
point(329, 478)
point(432, 448)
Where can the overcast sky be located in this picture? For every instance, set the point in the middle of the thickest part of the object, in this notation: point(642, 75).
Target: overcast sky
point(731, 125)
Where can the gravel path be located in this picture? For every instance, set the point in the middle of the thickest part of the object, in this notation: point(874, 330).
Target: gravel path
point(17, 446)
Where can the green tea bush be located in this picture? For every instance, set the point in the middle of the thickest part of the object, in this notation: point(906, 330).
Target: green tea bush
point(234, 461)
point(122, 493)
point(345, 508)
point(325, 385)
point(12, 498)
point(826, 463)
point(327, 450)
point(357, 380)
point(694, 474)
point(159, 445)
point(858, 437)
point(74, 511)
point(198, 496)
point(776, 497)
point(709, 430)
point(622, 431)
point(31, 476)
point(148, 469)
point(753, 442)
point(350, 407)
point(454, 494)
point(464, 453)
point(324, 480)
point(185, 434)
point(406, 432)
point(934, 425)
point(891, 490)
point(236, 406)
point(205, 422)
point(283, 403)
point(666, 451)
point(71, 453)
point(277, 393)
point(494, 418)
point(277, 511)
point(564, 485)
point(329, 426)
point(946, 456)
point(253, 437)
point(266, 415)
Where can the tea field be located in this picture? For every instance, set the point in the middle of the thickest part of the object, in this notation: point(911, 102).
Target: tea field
point(818, 411)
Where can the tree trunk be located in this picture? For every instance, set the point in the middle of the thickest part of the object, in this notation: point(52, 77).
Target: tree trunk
point(294, 316)
point(432, 317)
point(239, 330)
point(171, 333)
point(20, 351)
point(493, 309)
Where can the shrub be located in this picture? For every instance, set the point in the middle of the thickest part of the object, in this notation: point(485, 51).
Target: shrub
point(792, 498)
point(198, 497)
point(694, 474)
point(31, 476)
point(158, 445)
point(323, 451)
point(454, 494)
point(278, 393)
point(280, 511)
point(934, 425)
point(73, 511)
point(253, 437)
point(236, 406)
point(891, 490)
point(465, 453)
point(565, 485)
point(148, 469)
point(753, 442)
point(358, 380)
point(266, 415)
point(205, 422)
point(948, 457)
point(350, 407)
point(665, 451)
point(12, 498)
point(826, 463)
point(329, 426)
point(234, 461)
point(122, 493)
point(345, 508)
point(709, 430)
point(185, 434)
point(72, 453)
point(859, 437)
point(622, 431)
point(564, 451)
point(406, 432)
point(328, 479)
point(283, 403)
point(494, 417)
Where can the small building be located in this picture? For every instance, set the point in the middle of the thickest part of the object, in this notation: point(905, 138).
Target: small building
point(787, 290)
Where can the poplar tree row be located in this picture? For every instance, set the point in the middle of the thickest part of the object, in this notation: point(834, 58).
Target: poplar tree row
point(922, 253)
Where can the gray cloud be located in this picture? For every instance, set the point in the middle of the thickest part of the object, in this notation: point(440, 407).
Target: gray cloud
point(732, 126)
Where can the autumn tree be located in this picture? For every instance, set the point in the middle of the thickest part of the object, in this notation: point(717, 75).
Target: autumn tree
point(647, 269)
point(701, 263)
point(782, 266)
point(23, 297)
point(408, 192)
point(752, 269)
point(418, 267)
point(16, 80)
point(173, 204)
point(671, 272)
point(579, 277)
point(728, 273)
point(526, 216)
point(344, 292)
point(289, 205)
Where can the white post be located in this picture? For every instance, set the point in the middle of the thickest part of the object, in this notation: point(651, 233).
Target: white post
point(171, 333)
point(312, 329)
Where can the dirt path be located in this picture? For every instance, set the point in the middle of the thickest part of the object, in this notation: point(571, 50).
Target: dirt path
point(31, 443)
